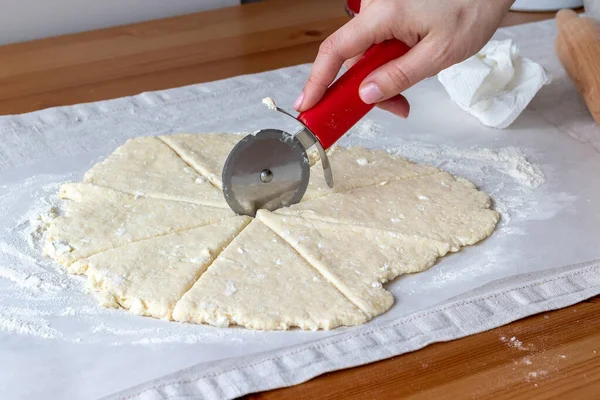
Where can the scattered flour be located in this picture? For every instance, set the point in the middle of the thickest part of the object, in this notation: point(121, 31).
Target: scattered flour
point(506, 174)
point(515, 343)
point(62, 247)
point(527, 361)
point(24, 322)
point(230, 288)
point(365, 129)
point(536, 374)
point(39, 299)
point(509, 160)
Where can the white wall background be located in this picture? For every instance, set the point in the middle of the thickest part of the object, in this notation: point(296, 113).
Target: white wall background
point(22, 20)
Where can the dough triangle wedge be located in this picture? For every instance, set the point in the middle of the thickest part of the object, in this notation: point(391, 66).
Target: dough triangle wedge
point(357, 260)
point(145, 166)
point(148, 277)
point(99, 219)
point(206, 153)
point(260, 282)
point(355, 167)
point(438, 207)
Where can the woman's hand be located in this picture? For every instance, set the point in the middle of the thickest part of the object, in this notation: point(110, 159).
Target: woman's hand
point(440, 33)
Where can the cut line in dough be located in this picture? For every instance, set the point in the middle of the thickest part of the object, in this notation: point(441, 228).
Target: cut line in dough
point(205, 153)
point(127, 276)
point(260, 282)
point(208, 152)
point(146, 167)
point(97, 219)
point(358, 275)
point(355, 167)
point(437, 207)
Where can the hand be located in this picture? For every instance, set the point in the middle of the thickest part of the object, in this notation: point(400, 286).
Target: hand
point(440, 33)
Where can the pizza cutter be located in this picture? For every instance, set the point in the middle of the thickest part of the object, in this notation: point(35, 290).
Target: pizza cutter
point(270, 169)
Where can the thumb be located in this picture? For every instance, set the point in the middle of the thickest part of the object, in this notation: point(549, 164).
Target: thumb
point(387, 81)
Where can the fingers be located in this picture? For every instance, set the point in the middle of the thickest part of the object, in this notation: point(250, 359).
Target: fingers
point(350, 63)
point(347, 42)
point(422, 61)
point(397, 105)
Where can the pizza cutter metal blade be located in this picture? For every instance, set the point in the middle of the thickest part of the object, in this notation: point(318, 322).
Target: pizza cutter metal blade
point(266, 170)
point(270, 169)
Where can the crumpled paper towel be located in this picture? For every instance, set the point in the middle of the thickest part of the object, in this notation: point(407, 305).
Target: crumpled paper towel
point(496, 84)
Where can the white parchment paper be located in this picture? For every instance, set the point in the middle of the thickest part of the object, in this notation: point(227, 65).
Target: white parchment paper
point(56, 343)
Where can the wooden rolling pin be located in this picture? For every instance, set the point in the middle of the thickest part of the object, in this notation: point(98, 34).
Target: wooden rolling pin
point(578, 48)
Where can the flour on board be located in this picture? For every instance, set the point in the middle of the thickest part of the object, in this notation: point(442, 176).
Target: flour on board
point(35, 292)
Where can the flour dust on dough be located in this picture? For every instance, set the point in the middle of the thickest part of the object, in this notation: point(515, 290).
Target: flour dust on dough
point(260, 282)
point(128, 276)
point(146, 166)
point(148, 231)
point(356, 167)
point(334, 251)
point(437, 207)
point(97, 219)
point(205, 153)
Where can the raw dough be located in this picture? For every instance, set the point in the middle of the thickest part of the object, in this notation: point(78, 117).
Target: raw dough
point(146, 166)
point(98, 219)
point(205, 153)
point(437, 207)
point(152, 237)
point(128, 276)
point(356, 167)
point(357, 274)
point(260, 282)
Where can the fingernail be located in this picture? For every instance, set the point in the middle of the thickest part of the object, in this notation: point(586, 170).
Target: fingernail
point(298, 102)
point(370, 93)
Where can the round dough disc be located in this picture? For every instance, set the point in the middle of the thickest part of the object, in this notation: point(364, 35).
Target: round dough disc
point(150, 229)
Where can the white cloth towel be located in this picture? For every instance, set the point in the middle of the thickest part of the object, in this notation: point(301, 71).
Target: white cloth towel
point(496, 84)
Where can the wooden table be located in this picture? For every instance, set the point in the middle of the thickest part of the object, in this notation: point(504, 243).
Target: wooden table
point(552, 356)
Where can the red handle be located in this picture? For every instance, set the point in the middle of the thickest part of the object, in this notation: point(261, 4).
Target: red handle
point(342, 107)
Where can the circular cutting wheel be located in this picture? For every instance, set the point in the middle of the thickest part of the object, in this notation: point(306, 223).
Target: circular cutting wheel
point(266, 170)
